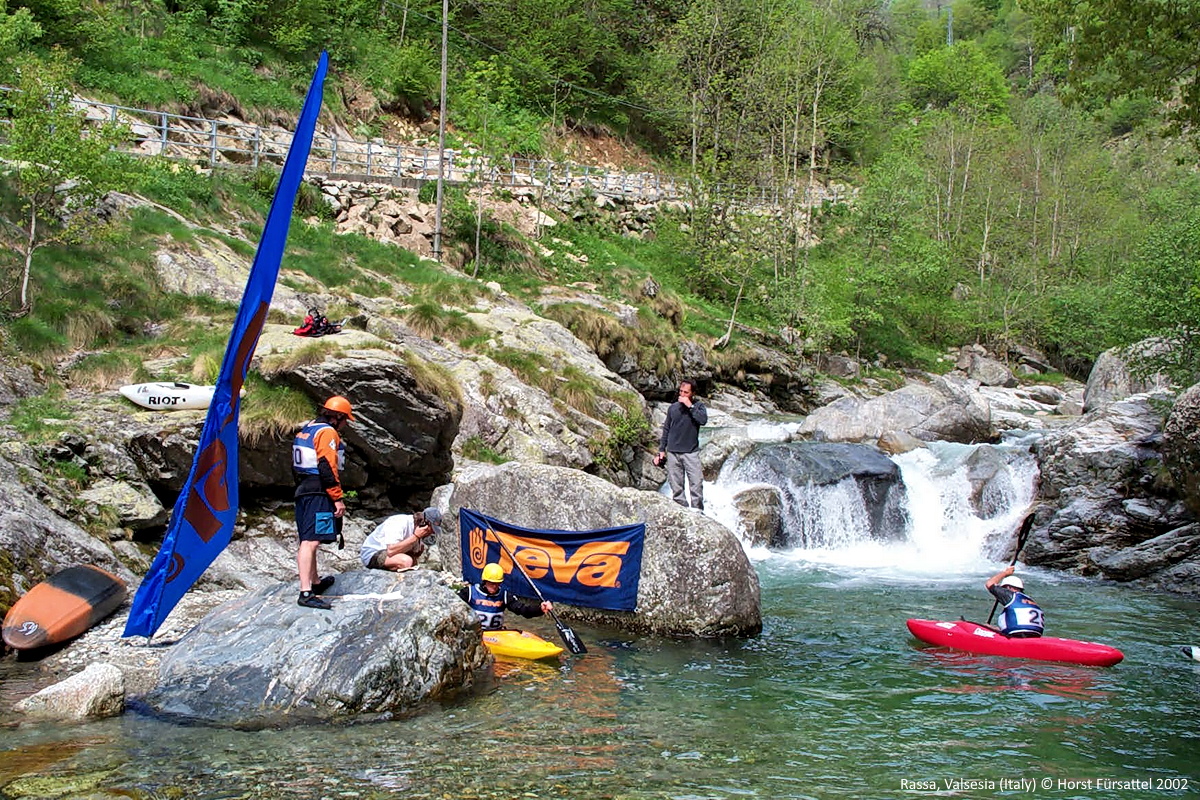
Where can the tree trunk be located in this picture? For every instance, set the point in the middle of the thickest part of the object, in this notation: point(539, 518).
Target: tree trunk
point(724, 340)
point(26, 305)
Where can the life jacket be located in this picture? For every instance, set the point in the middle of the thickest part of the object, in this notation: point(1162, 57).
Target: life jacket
point(488, 607)
point(306, 461)
point(1022, 615)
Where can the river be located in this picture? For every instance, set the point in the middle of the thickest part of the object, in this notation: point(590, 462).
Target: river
point(833, 699)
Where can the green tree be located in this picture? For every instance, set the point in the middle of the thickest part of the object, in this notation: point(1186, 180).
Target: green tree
point(962, 78)
point(58, 165)
point(17, 31)
point(1161, 288)
point(1113, 48)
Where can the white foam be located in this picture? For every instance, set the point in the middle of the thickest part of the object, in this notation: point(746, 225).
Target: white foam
point(946, 537)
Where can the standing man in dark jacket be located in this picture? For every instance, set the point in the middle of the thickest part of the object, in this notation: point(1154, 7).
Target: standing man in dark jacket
point(318, 456)
point(680, 446)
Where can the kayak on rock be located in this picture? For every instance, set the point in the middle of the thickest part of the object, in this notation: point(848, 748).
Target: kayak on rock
point(972, 637)
point(519, 644)
point(63, 606)
point(164, 396)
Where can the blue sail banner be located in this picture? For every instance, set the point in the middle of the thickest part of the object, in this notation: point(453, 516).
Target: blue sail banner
point(205, 512)
point(595, 569)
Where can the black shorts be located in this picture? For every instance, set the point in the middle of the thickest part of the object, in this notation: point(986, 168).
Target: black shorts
point(315, 521)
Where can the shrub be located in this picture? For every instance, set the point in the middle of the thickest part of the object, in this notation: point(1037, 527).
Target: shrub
point(475, 449)
point(269, 412)
point(433, 321)
point(626, 429)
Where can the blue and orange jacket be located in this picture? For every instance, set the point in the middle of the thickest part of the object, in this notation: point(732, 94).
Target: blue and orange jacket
point(318, 456)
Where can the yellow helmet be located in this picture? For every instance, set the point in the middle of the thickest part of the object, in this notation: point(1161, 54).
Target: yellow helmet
point(493, 574)
point(339, 405)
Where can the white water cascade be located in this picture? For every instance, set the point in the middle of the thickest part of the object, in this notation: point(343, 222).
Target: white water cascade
point(953, 524)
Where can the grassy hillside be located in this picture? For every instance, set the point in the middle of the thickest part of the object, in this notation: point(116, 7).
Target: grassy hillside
point(988, 208)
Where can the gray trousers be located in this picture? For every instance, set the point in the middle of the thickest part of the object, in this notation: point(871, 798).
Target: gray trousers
point(679, 466)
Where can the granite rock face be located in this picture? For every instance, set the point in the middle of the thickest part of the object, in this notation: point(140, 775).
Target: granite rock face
point(695, 580)
point(391, 643)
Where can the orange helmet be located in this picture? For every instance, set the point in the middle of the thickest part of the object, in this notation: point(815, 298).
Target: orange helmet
point(339, 405)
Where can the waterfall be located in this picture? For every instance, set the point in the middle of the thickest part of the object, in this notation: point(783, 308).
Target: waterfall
point(954, 511)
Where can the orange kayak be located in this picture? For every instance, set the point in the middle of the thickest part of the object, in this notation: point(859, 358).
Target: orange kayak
point(61, 607)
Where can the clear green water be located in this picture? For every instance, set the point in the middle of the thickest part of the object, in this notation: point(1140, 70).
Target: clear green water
point(834, 699)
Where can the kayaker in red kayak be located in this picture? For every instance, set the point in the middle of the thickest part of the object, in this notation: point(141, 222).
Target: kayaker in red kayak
point(1021, 618)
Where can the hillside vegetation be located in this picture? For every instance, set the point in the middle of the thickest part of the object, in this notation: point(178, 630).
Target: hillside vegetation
point(1014, 184)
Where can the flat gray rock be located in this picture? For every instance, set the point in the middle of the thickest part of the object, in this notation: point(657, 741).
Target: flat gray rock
point(391, 642)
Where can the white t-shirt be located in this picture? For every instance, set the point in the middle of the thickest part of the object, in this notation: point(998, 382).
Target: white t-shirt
point(395, 528)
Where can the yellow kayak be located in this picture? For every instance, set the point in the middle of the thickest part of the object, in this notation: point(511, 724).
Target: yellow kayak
point(519, 644)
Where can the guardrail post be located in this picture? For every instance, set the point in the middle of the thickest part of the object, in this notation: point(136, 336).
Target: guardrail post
point(162, 142)
point(257, 144)
point(212, 145)
point(369, 158)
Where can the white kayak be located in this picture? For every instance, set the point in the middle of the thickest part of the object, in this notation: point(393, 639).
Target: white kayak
point(169, 396)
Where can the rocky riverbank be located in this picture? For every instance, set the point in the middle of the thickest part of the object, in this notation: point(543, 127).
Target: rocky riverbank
point(91, 482)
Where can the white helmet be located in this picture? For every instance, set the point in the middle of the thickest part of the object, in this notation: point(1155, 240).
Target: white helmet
point(1014, 582)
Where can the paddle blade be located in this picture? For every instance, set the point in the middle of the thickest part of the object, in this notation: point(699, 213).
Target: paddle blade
point(570, 639)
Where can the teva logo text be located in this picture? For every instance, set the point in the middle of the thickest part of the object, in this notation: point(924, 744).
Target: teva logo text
point(592, 563)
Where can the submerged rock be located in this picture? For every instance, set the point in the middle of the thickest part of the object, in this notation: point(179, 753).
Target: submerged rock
point(94, 693)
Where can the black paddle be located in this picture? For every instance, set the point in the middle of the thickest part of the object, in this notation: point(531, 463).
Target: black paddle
point(568, 636)
point(1022, 535)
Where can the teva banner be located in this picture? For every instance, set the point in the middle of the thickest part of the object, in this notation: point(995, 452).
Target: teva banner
point(205, 512)
point(594, 569)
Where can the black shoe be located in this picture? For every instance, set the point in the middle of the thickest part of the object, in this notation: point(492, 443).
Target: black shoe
point(310, 600)
point(322, 586)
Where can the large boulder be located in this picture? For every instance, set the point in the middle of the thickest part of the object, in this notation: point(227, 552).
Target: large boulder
point(943, 408)
point(1149, 557)
point(1034, 407)
point(695, 581)
point(1112, 377)
point(403, 428)
point(1181, 446)
point(391, 642)
point(501, 412)
point(1102, 508)
point(809, 473)
point(988, 371)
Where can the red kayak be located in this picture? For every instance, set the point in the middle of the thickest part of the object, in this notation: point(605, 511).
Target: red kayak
point(975, 638)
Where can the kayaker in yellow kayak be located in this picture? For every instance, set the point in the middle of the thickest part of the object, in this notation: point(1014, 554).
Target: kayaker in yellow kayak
point(489, 601)
point(1021, 618)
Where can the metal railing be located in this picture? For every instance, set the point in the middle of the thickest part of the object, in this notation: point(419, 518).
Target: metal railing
point(219, 143)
